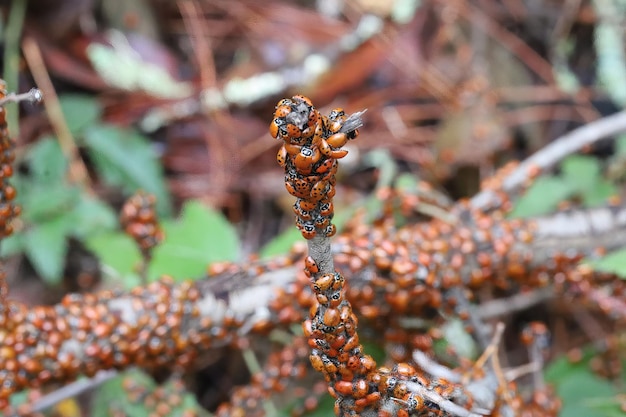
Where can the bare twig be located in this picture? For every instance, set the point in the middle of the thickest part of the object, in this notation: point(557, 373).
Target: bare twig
point(446, 405)
point(34, 95)
point(77, 170)
point(555, 152)
point(517, 302)
point(433, 368)
point(70, 390)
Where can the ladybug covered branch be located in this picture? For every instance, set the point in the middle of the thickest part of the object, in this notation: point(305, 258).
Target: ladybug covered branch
point(394, 272)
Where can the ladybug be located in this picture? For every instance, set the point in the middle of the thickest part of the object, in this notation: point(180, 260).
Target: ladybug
point(316, 361)
point(368, 400)
point(282, 109)
point(351, 343)
point(293, 131)
point(326, 165)
point(405, 370)
point(319, 190)
point(331, 317)
point(338, 281)
point(327, 151)
point(311, 265)
point(281, 156)
point(306, 158)
point(307, 229)
point(276, 126)
point(323, 283)
point(326, 208)
point(337, 140)
point(321, 222)
point(299, 98)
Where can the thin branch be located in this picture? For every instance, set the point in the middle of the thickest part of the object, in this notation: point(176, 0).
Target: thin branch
point(445, 405)
point(435, 369)
point(77, 170)
point(68, 391)
point(517, 302)
point(555, 152)
point(34, 96)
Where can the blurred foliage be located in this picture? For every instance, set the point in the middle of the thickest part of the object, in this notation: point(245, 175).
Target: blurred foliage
point(53, 210)
point(199, 237)
point(580, 179)
point(135, 394)
point(583, 393)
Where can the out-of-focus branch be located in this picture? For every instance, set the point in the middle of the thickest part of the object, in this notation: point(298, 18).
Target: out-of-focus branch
point(553, 153)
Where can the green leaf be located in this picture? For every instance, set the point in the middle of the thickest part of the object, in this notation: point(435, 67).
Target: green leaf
point(406, 182)
point(42, 202)
point(542, 197)
point(118, 254)
point(581, 172)
point(91, 216)
point(199, 237)
point(80, 111)
point(114, 395)
point(614, 263)
point(599, 193)
point(582, 392)
point(454, 332)
point(46, 161)
point(12, 245)
point(124, 158)
point(46, 247)
point(620, 145)
point(281, 243)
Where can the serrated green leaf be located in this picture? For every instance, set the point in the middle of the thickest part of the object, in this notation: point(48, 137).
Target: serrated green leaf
point(124, 158)
point(542, 197)
point(118, 254)
point(199, 237)
point(80, 111)
point(614, 263)
point(46, 161)
point(581, 172)
point(45, 246)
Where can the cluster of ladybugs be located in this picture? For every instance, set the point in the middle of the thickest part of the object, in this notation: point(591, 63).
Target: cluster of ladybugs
point(312, 143)
point(281, 373)
point(8, 210)
point(138, 218)
point(336, 351)
point(157, 326)
point(352, 375)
